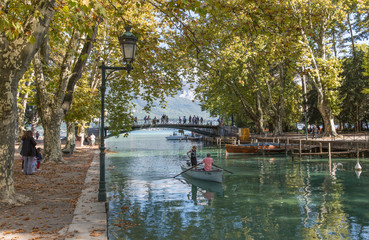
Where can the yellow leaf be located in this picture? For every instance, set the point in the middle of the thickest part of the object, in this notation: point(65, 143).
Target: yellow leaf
point(86, 2)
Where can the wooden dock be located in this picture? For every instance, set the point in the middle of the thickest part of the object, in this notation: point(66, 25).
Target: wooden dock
point(317, 147)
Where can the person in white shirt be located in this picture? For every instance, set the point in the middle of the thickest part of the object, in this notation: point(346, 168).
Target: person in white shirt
point(92, 137)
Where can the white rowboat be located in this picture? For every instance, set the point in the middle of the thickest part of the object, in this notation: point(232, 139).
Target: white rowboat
point(215, 175)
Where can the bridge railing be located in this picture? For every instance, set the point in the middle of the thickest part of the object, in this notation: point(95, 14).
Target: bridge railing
point(175, 121)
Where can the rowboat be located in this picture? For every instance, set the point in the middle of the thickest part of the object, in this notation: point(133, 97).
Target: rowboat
point(215, 175)
point(250, 148)
point(214, 187)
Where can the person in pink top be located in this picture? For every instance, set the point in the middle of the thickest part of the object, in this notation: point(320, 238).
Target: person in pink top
point(208, 161)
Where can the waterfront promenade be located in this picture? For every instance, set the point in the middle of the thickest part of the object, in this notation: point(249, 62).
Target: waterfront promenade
point(62, 201)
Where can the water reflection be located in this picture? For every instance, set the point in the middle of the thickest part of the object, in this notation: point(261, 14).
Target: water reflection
point(267, 197)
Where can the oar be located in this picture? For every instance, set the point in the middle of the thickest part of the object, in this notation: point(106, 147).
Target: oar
point(222, 168)
point(186, 170)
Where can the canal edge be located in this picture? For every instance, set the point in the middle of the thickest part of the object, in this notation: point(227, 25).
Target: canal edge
point(90, 216)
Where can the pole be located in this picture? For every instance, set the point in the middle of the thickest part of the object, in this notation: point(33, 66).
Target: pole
point(305, 105)
point(102, 190)
point(330, 157)
point(222, 168)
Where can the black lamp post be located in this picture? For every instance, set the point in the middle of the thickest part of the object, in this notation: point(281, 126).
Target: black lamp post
point(127, 43)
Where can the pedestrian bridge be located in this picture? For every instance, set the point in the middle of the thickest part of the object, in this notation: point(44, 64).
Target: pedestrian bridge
point(202, 129)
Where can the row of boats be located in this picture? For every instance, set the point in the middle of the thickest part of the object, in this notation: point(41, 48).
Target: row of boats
point(176, 136)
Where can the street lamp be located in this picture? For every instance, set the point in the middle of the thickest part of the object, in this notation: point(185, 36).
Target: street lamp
point(128, 45)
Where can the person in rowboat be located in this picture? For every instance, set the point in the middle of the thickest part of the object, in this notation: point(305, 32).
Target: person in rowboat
point(193, 156)
point(208, 162)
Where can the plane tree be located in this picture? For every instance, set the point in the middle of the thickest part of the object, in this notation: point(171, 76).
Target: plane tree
point(24, 25)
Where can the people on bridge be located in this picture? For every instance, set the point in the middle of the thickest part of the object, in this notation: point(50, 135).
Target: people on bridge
point(179, 120)
point(192, 155)
point(184, 119)
point(208, 162)
point(189, 119)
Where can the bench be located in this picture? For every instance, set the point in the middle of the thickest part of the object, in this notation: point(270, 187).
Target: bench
point(69, 151)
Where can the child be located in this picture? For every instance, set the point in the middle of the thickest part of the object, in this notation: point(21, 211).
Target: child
point(39, 158)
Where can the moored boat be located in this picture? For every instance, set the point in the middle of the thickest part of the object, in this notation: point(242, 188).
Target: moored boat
point(175, 136)
point(242, 148)
point(215, 175)
point(250, 148)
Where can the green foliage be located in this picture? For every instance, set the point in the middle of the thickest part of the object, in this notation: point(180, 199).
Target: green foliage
point(86, 103)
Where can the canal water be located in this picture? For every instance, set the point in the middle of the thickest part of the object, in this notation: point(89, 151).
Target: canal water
point(266, 197)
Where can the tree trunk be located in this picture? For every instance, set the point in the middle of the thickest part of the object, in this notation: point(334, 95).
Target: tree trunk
point(71, 135)
point(52, 143)
point(260, 116)
point(277, 125)
point(15, 57)
point(326, 112)
point(20, 117)
point(34, 122)
point(81, 132)
point(8, 113)
point(50, 114)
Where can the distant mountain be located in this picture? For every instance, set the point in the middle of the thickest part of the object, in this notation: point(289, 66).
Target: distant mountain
point(180, 105)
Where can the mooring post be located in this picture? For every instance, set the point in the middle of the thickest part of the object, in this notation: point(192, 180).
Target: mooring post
point(300, 149)
point(330, 157)
point(321, 147)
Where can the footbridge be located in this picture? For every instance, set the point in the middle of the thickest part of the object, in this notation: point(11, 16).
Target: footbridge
point(202, 129)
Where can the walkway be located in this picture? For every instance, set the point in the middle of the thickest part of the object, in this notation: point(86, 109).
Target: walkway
point(90, 218)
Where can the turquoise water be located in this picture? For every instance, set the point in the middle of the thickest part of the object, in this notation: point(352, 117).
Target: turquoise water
point(267, 197)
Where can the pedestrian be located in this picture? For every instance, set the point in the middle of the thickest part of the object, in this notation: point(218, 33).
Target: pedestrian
point(179, 120)
point(208, 162)
point(315, 131)
point(38, 158)
point(86, 142)
point(28, 152)
point(192, 155)
point(37, 135)
point(92, 137)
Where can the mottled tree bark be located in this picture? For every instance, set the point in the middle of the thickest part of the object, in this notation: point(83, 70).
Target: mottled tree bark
point(15, 57)
point(22, 113)
point(71, 135)
point(50, 113)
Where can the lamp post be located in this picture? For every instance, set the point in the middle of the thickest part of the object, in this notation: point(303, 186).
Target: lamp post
point(127, 43)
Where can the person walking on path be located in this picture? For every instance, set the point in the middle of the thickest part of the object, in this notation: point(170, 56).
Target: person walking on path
point(92, 137)
point(28, 152)
point(315, 131)
point(208, 162)
point(192, 155)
